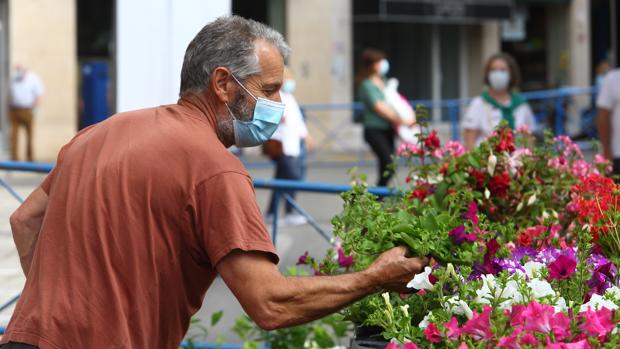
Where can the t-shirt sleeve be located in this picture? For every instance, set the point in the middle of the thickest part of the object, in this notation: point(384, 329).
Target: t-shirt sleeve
point(473, 115)
point(370, 94)
point(47, 183)
point(605, 97)
point(228, 217)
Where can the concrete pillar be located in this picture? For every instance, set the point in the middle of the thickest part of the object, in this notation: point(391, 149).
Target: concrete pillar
point(579, 43)
point(557, 46)
point(151, 39)
point(491, 41)
point(320, 35)
point(43, 37)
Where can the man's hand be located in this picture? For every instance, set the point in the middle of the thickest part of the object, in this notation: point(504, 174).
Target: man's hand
point(393, 269)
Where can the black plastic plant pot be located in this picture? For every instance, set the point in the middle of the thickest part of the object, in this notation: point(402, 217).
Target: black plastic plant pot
point(368, 337)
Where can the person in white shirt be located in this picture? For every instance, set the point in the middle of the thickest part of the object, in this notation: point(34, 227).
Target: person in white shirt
point(499, 101)
point(608, 118)
point(291, 131)
point(26, 90)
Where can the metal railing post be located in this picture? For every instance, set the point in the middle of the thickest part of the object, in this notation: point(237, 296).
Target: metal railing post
point(454, 120)
point(559, 115)
point(276, 209)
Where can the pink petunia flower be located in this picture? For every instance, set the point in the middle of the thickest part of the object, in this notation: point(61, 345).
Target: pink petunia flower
point(511, 341)
point(453, 329)
point(479, 326)
point(392, 345)
point(432, 334)
point(454, 148)
point(538, 317)
point(529, 339)
point(343, 260)
point(597, 323)
point(562, 267)
point(561, 326)
point(410, 345)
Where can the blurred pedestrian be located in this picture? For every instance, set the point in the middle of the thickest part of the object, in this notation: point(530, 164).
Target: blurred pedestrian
point(608, 118)
point(378, 117)
point(26, 90)
point(499, 101)
point(290, 133)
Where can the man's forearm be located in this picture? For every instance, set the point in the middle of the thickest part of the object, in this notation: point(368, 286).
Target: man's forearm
point(275, 301)
point(303, 299)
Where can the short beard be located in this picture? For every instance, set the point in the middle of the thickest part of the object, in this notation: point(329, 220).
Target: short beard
point(242, 109)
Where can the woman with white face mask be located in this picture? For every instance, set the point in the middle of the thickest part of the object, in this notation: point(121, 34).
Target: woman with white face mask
point(499, 101)
point(379, 118)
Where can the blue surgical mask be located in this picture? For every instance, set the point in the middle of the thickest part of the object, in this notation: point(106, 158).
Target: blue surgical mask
point(265, 121)
point(384, 67)
point(288, 86)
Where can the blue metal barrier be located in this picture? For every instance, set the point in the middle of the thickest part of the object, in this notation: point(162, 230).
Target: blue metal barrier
point(556, 97)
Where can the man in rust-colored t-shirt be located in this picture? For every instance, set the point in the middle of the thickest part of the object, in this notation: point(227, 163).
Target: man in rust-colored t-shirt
point(124, 237)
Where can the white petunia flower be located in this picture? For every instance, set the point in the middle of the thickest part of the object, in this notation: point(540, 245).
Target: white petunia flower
point(421, 281)
point(487, 193)
point(540, 288)
point(597, 302)
point(560, 305)
point(614, 291)
point(532, 268)
point(457, 306)
point(426, 321)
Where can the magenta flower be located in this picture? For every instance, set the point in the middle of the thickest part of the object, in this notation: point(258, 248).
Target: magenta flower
point(303, 259)
point(472, 213)
point(562, 267)
point(597, 323)
point(538, 317)
point(459, 236)
point(516, 316)
point(392, 345)
point(343, 260)
point(529, 339)
point(410, 346)
point(432, 334)
point(453, 329)
point(479, 326)
point(510, 342)
point(561, 326)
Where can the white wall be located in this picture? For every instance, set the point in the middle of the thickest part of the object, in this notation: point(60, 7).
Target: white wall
point(152, 36)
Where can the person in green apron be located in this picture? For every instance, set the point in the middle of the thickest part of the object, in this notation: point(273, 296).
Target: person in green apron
point(499, 101)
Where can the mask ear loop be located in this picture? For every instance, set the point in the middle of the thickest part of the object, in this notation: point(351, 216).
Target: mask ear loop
point(243, 87)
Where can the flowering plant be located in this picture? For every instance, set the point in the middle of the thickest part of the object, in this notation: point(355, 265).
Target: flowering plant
point(524, 242)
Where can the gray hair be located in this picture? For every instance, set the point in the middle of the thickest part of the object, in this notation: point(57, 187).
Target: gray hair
point(226, 42)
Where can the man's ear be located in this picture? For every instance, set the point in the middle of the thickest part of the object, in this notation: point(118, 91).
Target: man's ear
point(221, 84)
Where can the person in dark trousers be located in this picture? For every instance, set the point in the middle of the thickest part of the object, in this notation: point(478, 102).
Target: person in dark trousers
point(142, 212)
point(378, 117)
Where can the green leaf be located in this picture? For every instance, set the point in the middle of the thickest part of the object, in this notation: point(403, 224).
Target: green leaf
point(215, 317)
point(472, 161)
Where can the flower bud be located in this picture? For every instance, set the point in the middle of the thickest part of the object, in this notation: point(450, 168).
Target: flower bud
point(487, 193)
point(491, 163)
point(531, 200)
